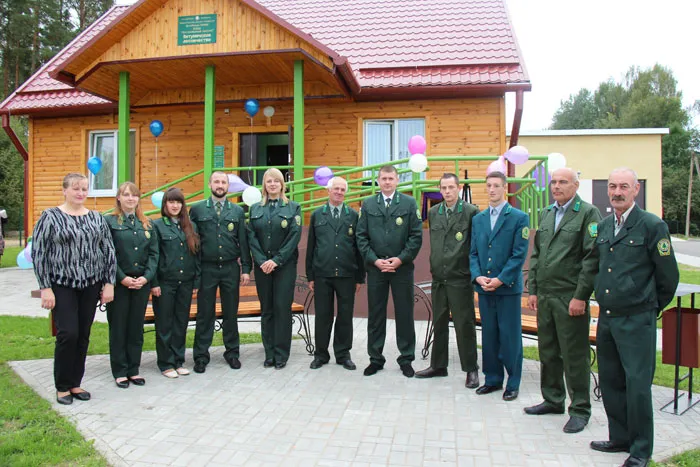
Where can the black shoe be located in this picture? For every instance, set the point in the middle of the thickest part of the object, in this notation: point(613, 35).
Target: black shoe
point(372, 369)
point(122, 384)
point(280, 365)
point(486, 389)
point(431, 372)
point(200, 367)
point(408, 370)
point(542, 409)
point(609, 446)
point(81, 396)
point(65, 400)
point(269, 363)
point(348, 364)
point(575, 425)
point(234, 363)
point(317, 363)
point(138, 381)
point(636, 462)
point(509, 395)
point(472, 380)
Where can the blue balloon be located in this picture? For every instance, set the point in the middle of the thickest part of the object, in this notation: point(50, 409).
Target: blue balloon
point(251, 107)
point(94, 165)
point(156, 127)
point(157, 199)
point(22, 261)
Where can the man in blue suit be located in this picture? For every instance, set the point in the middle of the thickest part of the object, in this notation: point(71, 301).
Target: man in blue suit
point(499, 246)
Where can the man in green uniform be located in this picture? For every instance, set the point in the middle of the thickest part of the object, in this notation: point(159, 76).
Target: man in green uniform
point(389, 236)
point(334, 267)
point(223, 240)
point(563, 266)
point(452, 291)
point(637, 278)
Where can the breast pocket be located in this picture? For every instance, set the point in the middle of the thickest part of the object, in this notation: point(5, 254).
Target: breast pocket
point(400, 220)
point(231, 225)
point(284, 220)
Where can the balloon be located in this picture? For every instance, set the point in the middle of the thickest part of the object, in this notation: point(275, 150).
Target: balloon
point(156, 127)
point(417, 145)
point(269, 111)
point(236, 184)
point(542, 178)
point(251, 195)
point(22, 262)
point(28, 252)
point(157, 199)
point(418, 163)
point(555, 161)
point(498, 165)
point(252, 107)
point(517, 155)
point(94, 165)
point(323, 175)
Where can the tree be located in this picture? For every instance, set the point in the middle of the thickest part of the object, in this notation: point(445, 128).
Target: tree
point(12, 176)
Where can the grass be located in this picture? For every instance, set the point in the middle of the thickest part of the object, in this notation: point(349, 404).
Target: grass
point(31, 433)
point(9, 257)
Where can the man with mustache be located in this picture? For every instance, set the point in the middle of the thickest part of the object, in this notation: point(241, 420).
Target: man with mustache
point(637, 278)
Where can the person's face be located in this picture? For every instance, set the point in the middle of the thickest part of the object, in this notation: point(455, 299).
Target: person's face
point(337, 192)
point(495, 189)
point(622, 190)
point(128, 201)
point(219, 185)
point(449, 190)
point(273, 187)
point(173, 207)
point(388, 181)
point(77, 192)
point(563, 186)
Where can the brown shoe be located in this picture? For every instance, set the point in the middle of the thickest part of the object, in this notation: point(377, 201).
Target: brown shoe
point(472, 380)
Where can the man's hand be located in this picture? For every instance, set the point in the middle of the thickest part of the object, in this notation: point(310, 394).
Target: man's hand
point(357, 287)
point(577, 307)
point(245, 279)
point(532, 302)
point(155, 291)
point(384, 265)
point(493, 284)
point(311, 285)
point(483, 281)
point(395, 263)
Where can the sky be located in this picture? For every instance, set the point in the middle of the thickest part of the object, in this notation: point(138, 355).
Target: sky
point(571, 44)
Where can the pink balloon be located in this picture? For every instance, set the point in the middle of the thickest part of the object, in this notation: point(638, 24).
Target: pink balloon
point(417, 145)
point(497, 166)
point(517, 155)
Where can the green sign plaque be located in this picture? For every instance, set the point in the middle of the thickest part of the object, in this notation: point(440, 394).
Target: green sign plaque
point(219, 157)
point(198, 29)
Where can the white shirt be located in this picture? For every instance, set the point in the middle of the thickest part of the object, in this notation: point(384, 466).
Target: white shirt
point(390, 197)
point(623, 218)
point(560, 211)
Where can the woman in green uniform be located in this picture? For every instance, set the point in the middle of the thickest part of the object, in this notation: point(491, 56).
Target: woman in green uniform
point(176, 279)
point(274, 231)
point(137, 260)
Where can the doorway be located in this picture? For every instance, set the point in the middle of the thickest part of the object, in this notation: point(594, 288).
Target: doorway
point(263, 149)
point(602, 202)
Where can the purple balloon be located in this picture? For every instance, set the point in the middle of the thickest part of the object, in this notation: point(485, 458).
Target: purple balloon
point(417, 145)
point(542, 177)
point(28, 252)
point(323, 175)
point(498, 165)
point(517, 155)
point(236, 184)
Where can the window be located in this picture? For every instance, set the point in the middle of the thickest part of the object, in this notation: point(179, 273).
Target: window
point(387, 140)
point(103, 145)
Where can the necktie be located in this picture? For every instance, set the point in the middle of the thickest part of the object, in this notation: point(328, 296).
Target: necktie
point(494, 217)
point(449, 212)
point(218, 209)
point(388, 202)
point(132, 219)
point(335, 213)
point(619, 222)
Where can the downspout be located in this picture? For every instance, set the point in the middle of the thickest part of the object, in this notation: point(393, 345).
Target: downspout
point(25, 155)
point(514, 134)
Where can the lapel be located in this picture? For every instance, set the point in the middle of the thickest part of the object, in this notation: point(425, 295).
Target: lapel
point(126, 223)
point(174, 228)
point(499, 222)
point(571, 212)
point(328, 211)
point(626, 227)
point(441, 218)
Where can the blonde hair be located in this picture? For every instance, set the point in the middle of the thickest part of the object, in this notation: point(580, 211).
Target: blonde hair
point(276, 174)
point(134, 190)
point(71, 178)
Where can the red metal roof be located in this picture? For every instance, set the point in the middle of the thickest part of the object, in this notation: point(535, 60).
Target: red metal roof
point(388, 44)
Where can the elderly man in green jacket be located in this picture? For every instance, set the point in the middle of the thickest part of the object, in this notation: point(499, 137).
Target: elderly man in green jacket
point(563, 266)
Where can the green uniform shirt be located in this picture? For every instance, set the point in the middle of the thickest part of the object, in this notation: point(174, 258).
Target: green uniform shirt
point(275, 233)
point(331, 249)
point(222, 238)
point(450, 241)
point(565, 261)
point(136, 248)
point(176, 263)
point(384, 232)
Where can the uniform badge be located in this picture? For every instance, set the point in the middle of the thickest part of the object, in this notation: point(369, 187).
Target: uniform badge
point(297, 219)
point(359, 214)
point(147, 234)
point(526, 233)
point(418, 214)
point(230, 227)
point(350, 231)
point(399, 221)
point(593, 229)
point(459, 236)
point(664, 247)
point(284, 223)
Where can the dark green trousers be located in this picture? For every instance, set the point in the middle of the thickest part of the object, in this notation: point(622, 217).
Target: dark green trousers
point(325, 290)
point(172, 313)
point(276, 295)
point(626, 364)
point(458, 298)
point(226, 277)
point(564, 354)
point(401, 284)
point(125, 317)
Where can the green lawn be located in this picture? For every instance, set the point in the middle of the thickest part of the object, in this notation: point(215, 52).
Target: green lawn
point(9, 257)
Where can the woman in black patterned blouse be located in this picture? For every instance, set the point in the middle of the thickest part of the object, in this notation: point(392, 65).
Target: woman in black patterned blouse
point(75, 266)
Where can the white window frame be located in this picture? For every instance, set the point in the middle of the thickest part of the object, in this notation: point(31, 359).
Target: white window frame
point(92, 135)
point(396, 153)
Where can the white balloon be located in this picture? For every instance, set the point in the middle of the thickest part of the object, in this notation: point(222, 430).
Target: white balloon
point(252, 195)
point(418, 163)
point(555, 161)
point(269, 111)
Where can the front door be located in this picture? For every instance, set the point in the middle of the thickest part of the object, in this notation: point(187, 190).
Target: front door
point(263, 149)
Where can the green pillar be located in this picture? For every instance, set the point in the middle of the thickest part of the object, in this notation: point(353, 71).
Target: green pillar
point(209, 107)
point(123, 159)
point(298, 125)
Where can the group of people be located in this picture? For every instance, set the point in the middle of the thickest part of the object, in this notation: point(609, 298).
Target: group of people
point(123, 258)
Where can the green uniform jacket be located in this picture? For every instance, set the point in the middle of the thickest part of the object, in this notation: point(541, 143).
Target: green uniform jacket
point(222, 238)
point(396, 232)
point(450, 241)
point(275, 235)
point(175, 262)
point(331, 249)
point(566, 261)
point(136, 248)
point(638, 270)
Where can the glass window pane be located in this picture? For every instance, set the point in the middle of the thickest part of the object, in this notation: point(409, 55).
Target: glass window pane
point(378, 143)
point(103, 147)
point(407, 129)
